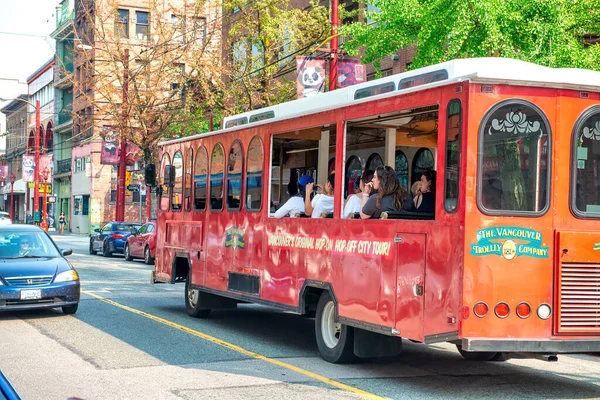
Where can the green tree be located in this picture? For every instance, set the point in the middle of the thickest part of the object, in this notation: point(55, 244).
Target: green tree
point(546, 32)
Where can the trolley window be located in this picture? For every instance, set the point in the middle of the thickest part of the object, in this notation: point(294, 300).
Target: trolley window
point(235, 164)
point(254, 175)
point(585, 198)
point(200, 168)
point(217, 169)
point(423, 161)
point(453, 123)
point(187, 196)
point(177, 197)
point(514, 157)
point(164, 183)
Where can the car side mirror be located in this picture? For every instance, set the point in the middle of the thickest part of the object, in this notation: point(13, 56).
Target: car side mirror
point(66, 252)
point(97, 230)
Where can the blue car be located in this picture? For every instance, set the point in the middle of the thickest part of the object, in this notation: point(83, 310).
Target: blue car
point(111, 238)
point(34, 272)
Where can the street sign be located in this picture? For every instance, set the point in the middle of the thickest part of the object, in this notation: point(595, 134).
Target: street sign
point(133, 188)
point(51, 199)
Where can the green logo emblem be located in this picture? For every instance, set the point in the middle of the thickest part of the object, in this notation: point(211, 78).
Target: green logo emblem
point(234, 238)
point(597, 246)
point(509, 242)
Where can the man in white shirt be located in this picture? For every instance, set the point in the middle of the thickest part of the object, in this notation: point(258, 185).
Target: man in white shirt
point(322, 202)
point(295, 204)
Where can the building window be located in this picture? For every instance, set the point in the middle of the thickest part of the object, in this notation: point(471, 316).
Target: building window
point(142, 30)
point(514, 158)
point(199, 29)
point(178, 28)
point(122, 24)
point(113, 196)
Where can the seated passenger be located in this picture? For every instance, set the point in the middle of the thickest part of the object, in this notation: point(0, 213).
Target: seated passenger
point(295, 205)
point(354, 201)
point(322, 202)
point(384, 193)
point(416, 189)
point(425, 202)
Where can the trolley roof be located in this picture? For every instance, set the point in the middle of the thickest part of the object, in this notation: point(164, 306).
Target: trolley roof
point(485, 70)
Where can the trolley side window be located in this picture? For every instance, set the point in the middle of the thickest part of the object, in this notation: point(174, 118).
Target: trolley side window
point(200, 170)
point(235, 164)
point(177, 197)
point(453, 124)
point(217, 169)
point(187, 196)
point(514, 159)
point(164, 183)
point(254, 175)
point(585, 192)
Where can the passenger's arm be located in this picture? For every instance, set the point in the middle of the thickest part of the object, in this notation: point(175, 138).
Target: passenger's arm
point(366, 208)
point(308, 208)
point(283, 210)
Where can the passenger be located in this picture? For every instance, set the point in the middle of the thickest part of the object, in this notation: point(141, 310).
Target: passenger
point(384, 193)
point(354, 201)
point(295, 205)
point(322, 202)
point(425, 202)
point(416, 189)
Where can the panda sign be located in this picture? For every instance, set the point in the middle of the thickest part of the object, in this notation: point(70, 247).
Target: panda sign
point(311, 76)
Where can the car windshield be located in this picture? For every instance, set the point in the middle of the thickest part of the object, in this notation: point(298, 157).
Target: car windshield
point(126, 227)
point(26, 244)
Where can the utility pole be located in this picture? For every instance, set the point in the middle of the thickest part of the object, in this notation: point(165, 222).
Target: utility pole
point(36, 173)
point(334, 46)
point(120, 207)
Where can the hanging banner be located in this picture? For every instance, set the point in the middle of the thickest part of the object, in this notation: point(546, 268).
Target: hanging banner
point(350, 72)
point(109, 153)
point(46, 164)
point(4, 172)
point(28, 168)
point(311, 76)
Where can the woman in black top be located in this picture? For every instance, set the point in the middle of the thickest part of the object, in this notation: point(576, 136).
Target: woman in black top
point(384, 193)
point(425, 202)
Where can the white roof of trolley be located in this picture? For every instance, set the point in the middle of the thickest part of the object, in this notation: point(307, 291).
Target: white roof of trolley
point(484, 70)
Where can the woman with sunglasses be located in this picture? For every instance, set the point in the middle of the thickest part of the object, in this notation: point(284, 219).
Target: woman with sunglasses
point(384, 193)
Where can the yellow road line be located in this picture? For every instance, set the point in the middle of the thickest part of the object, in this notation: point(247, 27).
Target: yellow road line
point(239, 349)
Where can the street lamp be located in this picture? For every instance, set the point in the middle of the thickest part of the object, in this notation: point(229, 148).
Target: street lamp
point(12, 193)
point(2, 182)
point(36, 170)
point(45, 173)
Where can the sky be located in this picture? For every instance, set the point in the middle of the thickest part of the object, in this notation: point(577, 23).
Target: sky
point(21, 56)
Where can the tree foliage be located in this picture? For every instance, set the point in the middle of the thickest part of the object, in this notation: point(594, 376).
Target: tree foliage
point(546, 32)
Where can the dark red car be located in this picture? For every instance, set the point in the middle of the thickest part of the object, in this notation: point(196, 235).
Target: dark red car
point(142, 243)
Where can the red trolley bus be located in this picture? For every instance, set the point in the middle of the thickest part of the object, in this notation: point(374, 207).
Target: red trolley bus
point(509, 261)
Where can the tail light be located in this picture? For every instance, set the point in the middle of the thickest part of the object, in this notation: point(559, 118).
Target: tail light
point(523, 310)
point(117, 236)
point(502, 310)
point(480, 309)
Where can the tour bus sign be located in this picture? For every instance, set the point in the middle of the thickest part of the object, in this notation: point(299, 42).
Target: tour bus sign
point(489, 242)
point(345, 246)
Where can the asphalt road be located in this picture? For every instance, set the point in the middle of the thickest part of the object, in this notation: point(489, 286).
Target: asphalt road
point(133, 340)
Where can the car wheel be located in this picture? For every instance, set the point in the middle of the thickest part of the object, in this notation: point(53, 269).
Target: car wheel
point(148, 259)
point(334, 340)
point(477, 355)
point(70, 309)
point(126, 253)
point(192, 301)
point(105, 251)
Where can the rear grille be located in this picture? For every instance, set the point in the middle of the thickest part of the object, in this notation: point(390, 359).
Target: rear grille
point(29, 280)
point(579, 298)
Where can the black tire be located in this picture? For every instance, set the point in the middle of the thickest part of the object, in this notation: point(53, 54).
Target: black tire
point(92, 251)
point(477, 355)
point(126, 253)
point(105, 251)
point(69, 310)
point(194, 308)
point(148, 259)
point(343, 351)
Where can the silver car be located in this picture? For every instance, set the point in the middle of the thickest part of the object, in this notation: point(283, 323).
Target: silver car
point(5, 218)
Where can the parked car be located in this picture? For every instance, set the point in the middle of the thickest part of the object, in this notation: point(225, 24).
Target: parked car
point(142, 243)
point(111, 238)
point(34, 272)
point(7, 390)
point(5, 218)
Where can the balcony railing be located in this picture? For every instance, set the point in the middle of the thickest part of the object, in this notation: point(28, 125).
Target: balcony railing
point(63, 166)
point(64, 116)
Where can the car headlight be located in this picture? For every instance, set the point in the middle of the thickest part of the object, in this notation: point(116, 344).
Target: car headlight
point(67, 276)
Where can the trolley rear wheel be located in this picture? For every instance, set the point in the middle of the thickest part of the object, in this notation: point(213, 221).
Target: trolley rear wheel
point(192, 300)
point(477, 355)
point(334, 340)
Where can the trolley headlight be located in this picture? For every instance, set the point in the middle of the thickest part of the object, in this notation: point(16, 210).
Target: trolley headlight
point(544, 311)
point(67, 276)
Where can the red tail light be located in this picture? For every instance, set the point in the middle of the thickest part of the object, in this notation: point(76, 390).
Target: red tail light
point(502, 310)
point(117, 236)
point(480, 309)
point(523, 310)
